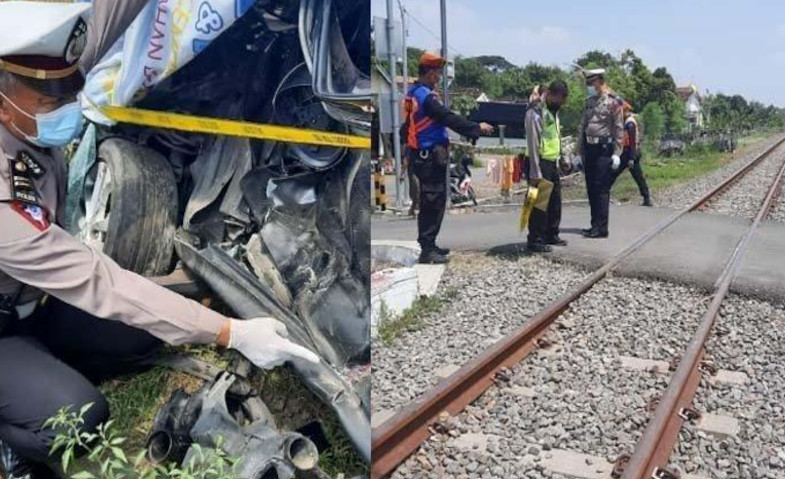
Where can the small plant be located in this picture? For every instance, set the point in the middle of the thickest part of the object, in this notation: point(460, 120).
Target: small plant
point(102, 449)
point(413, 319)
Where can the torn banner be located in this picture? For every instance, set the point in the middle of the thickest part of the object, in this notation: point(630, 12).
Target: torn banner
point(165, 36)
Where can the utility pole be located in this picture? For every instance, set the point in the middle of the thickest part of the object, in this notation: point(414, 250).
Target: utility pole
point(405, 33)
point(445, 89)
point(405, 89)
point(445, 80)
point(394, 106)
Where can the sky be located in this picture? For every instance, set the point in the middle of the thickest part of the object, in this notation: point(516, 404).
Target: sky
point(730, 47)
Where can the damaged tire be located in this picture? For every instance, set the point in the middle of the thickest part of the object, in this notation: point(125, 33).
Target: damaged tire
point(130, 207)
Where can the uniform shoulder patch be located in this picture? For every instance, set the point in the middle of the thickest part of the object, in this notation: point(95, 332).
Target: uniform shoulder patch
point(34, 214)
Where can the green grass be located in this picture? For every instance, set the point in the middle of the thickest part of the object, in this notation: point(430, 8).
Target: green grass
point(135, 400)
point(413, 319)
point(293, 406)
point(662, 173)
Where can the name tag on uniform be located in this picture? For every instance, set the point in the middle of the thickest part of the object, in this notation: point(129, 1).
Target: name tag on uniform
point(23, 169)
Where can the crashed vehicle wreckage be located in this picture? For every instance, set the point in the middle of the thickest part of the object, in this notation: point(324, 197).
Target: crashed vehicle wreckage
point(226, 411)
point(271, 228)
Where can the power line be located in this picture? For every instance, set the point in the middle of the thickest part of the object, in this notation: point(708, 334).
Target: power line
point(434, 35)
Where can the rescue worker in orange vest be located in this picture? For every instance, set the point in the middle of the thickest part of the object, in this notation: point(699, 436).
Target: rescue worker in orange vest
point(427, 141)
point(631, 155)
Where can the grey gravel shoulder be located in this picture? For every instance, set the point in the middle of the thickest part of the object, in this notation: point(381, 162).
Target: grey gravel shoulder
point(744, 198)
point(683, 195)
point(492, 296)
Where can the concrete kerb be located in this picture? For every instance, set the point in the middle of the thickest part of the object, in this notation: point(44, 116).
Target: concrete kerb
point(394, 289)
point(404, 253)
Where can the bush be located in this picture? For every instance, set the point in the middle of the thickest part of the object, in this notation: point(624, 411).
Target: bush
point(103, 450)
point(698, 149)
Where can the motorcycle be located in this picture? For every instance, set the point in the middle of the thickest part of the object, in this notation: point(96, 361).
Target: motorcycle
point(461, 190)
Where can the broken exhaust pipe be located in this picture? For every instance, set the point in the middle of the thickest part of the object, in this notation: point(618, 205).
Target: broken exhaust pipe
point(249, 298)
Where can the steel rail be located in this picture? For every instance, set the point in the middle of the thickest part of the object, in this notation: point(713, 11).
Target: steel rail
point(661, 434)
point(398, 437)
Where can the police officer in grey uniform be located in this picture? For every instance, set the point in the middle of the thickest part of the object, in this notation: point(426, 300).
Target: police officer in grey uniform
point(69, 315)
point(600, 146)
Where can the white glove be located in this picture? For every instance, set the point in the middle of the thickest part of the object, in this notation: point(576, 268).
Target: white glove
point(616, 162)
point(263, 341)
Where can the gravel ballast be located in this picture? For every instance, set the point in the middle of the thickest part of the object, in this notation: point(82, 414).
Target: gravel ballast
point(681, 196)
point(744, 198)
point(490, 297)
point(573, 395)
point(748, 337)
point(777, 212)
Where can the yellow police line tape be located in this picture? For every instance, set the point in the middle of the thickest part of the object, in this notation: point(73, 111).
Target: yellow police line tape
point(245, 129)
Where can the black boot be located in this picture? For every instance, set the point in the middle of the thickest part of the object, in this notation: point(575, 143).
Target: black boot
point(432, 256)
point(556, 241)
point(647, 201)
point(538, 248)
point(442, 251)
point(595, 234)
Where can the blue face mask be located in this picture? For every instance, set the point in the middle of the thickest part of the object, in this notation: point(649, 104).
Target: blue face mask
point(56, 128)
point(591, 91)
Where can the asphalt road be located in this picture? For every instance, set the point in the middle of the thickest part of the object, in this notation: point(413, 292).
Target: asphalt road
point(693, 250)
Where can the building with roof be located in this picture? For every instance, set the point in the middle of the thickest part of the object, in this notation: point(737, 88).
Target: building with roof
point(692, 99)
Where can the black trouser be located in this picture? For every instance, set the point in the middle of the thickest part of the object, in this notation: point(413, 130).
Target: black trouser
point(598, 171)
point(544, 226)
point(52, 360)
point(432, 173)
point(414, 189)
point(637, 174)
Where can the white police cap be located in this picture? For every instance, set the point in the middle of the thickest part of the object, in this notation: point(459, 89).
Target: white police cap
point(595, 73)
point(42, 41)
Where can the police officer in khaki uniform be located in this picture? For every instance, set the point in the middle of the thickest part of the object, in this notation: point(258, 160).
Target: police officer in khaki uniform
point(600, 146)
point(69, 315)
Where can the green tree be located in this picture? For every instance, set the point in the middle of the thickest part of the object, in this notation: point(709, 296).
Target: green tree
point(662, 86)
point(653, 121)
point(469, 73)
point(463, 104)
point(570, 114)
point(495, 63)
point(675, 114)
point(413, 59)
point(597, 59)
point(646, 90)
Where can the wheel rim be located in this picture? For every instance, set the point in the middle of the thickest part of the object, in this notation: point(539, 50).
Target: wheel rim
point(94, 225)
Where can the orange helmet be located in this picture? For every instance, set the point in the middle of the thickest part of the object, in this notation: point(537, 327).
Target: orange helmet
point(432, 60)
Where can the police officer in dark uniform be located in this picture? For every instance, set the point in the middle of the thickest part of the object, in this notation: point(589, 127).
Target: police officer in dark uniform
point(427, 141)
point(600, 146)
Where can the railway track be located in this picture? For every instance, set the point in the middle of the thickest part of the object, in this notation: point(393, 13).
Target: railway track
point(655, 446)
point(402, 434)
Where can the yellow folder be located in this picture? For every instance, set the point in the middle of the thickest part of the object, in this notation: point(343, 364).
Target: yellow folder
point(536, 197)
